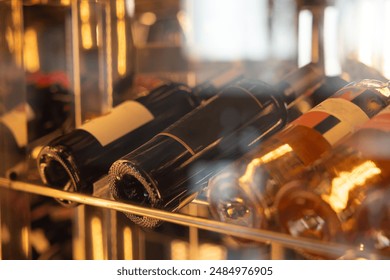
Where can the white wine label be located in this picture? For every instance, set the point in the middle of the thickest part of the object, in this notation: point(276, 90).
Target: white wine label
point(123, 119)
point(380, 121)
point(16, 121)
point(334, 118)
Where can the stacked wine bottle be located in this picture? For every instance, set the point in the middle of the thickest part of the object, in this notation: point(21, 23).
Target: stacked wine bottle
point(296, 182)
point(265, 156)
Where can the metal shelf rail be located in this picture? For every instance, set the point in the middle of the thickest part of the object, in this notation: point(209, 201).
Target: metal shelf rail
point(264, 236)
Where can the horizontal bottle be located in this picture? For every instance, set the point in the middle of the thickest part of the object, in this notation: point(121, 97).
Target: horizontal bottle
point(245, 191)
point(371, 229)
point(155, 174)
point(197, 170)
point(50, 101)
point(13, 139)
point(45, 112)
point(76, 160)
point(336, 199)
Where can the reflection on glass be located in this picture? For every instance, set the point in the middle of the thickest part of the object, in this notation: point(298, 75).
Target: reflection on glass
point(363, 26)
point(97, 238)
point(227, 29)
point(127, 243)
point(332, 64)
point(180, 250)
point(305, 37)
point(31, 51)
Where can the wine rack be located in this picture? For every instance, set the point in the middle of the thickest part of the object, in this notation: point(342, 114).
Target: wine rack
point(154, 59)
point(275, 239)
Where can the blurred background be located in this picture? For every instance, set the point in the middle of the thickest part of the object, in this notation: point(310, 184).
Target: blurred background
point(63, 62)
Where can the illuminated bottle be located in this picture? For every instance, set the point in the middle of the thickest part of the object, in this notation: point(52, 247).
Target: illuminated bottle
point(244, 192)
point(157, 173)
point(337, 199)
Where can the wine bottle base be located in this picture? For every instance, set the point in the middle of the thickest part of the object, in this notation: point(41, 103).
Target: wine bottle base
point(130, 185)
point(56, 173)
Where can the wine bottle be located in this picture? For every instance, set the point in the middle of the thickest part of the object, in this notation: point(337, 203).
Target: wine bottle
point(51, 101)
point(46, 112)
point(13, 139)
point(74, 161)
point(336, 199)
point(155, 174)
point(245, 191)
point(197, 170)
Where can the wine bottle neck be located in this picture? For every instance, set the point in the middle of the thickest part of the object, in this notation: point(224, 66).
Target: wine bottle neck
point(214, 85)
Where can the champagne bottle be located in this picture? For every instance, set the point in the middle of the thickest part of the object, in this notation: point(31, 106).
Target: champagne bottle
point(155, 174)
point(336, 199)
point(245, 191)
point(74, 161)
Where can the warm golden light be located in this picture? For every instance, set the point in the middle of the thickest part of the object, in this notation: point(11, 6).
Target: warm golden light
point(384, 90)
point(347, 181)
point(17, 22)
point(121, 35)
point(97, 239)
point(127, 243)
point(86, 30)
point(277, 153)
point(148, 18)
point(185, 24)
point(65, 2)
point(121, 32)
point(39, 241)
point(31, 50)
point(86, 36)
point(84, 11)
point(179, 250)
point(247, 178)
point(120, 9)
point(208, 251)
point(250, 170)
point(9, 37)
point(25, 240)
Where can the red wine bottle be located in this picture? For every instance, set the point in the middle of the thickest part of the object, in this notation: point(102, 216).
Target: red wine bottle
point(153, 174)
point(74, 161)
point(201, 167)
